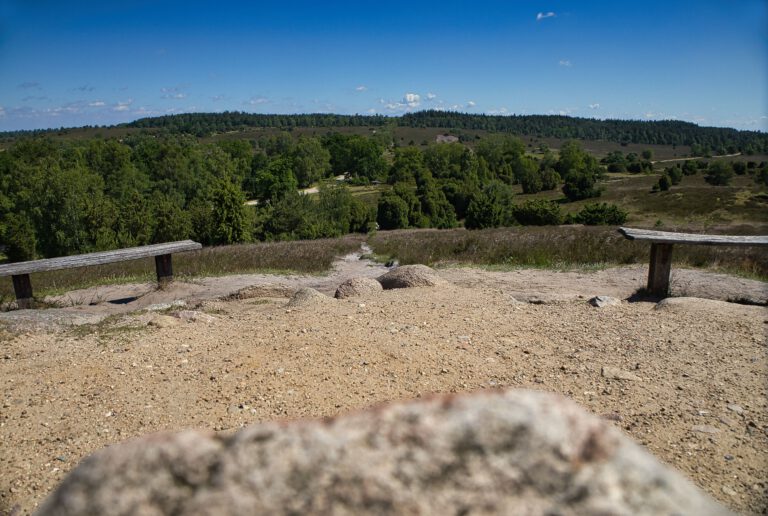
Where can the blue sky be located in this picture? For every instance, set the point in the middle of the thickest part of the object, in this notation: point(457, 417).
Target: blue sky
point(74, 63)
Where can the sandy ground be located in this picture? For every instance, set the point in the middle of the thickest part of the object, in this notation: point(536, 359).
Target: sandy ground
point(698, 400)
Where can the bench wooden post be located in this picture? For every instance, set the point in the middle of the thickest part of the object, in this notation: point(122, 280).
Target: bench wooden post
point(22, 287)
point(660, 266)
point(164, 267)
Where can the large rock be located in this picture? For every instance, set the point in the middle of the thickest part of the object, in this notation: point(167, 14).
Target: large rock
point(308, 297)
point(355, 287)
point(512, 452)
point(713, 306)
point(407, 276)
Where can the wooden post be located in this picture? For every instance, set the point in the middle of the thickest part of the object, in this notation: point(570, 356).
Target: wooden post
point(22, 286)
point(658, 271)
point(164, 267)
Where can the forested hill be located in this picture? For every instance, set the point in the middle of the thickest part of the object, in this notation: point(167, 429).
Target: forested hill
point(667, 132)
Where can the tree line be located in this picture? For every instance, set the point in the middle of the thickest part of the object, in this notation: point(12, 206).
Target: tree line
point(61, 197)
point(703, 140)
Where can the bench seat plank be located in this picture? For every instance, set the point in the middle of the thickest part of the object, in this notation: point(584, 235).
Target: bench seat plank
point(84, 260)
point(666, 237)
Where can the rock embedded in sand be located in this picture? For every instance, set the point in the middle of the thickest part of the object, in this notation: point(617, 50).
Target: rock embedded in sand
point(407, 276)
point(601, 301)
point(308, 297)
point(614, 373)
point(355, 287)
point(510, 452)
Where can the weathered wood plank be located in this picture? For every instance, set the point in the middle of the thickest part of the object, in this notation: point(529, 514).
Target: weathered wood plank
point(667, 237)
point(659, 269)
point(84, 260)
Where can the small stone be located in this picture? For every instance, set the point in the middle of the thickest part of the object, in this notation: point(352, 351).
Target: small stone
point(601, 301)
point(614, 373)
point(725, 421)
point(163, 321)
point(728, 456)
point(735, 408)
point(730, 492)
point(705, 429)
point(195, 316)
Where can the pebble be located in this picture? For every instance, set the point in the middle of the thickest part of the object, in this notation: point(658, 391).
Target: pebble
point(705, 429)
point(614, 373)
point(728, 456)
point(730, 492)
point(735, 408)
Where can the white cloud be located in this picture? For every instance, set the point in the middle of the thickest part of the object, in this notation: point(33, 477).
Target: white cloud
point(123, 106)
point(471, 104)
point(542, 16)
point(97, 103)
point(2, 112)
point(412, 100)
point(596, 105)
point(501, 111)
point(361, 88)
point(217, 98)
point(431, 96)
point(255, 101)
point(565, 62)
point(372, 111)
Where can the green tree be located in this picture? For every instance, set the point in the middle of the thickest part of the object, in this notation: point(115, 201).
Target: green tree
point(490, 207)
point(392, 211)
point(719, 173)
point(230, 219)
point(311, 161)
point(171, 221)
point(19, 238)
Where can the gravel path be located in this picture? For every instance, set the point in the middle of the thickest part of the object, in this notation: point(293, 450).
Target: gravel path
point(693, 390)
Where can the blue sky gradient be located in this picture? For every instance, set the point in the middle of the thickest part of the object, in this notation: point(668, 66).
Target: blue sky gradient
point(77, 63)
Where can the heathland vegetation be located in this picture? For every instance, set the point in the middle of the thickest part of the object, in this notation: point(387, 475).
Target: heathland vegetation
point(61, 196)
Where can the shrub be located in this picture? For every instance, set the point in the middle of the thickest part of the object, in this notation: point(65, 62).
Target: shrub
point(664, 183)
point(601, 214)
point(538, 212)
point(719, 173)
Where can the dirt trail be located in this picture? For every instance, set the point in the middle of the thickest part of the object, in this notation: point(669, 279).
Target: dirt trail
point(694, 371)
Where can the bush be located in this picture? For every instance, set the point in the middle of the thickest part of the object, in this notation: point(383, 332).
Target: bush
point(601, 214)
point(538, 212)
point(664, 183)
point(581, 186)
point(719, 173)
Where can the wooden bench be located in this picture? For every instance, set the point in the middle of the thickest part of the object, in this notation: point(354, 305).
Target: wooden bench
point(20, 271)
point(661, 251)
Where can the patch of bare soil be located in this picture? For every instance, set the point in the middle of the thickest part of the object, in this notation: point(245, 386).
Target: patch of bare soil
point(686, 381)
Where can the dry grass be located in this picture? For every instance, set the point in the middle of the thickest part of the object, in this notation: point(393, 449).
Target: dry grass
point(309, 257)
point(561, 247)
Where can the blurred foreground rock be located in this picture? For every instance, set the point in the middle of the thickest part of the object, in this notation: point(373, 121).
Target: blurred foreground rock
point(511, 452)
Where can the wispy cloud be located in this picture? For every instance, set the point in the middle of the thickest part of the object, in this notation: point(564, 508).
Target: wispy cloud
point(431, 96)
point(596, 105)
point(97, 103)
point(2, 112)
point(217, 98)
point(565, 62)
point(122, 106)
point(501, 111)
point(29, 85)
point(255, 101)
point(175, 93)
point(34, 97)
point(361, 88)
point(85, 88)
point(471, 104)
point(543, 16)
